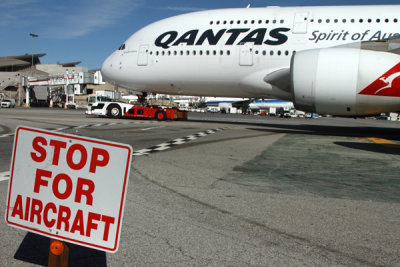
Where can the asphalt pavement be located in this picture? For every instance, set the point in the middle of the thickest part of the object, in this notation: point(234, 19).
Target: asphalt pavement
point(235, 190)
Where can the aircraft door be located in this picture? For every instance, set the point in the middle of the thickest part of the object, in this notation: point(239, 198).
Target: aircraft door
point(143, 55)
point(300, 23)
point(246, 54)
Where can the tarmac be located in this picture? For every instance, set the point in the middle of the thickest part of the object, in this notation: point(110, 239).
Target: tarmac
point(236, 190)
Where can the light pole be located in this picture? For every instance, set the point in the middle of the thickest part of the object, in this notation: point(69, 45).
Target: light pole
point(33, 37)
point(27, 104)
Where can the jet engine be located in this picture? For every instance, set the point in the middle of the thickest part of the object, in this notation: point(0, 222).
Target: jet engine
point(345, 81)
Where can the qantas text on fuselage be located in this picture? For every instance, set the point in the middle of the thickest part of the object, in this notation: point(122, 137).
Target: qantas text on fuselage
point(274, 37)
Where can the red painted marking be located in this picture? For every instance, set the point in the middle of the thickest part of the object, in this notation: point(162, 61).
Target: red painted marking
point(386, 85)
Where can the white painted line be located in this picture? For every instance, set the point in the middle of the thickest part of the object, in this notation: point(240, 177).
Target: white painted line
point(151, 128)
point(7, 135)
point(178, 142)
point(81, 126)
point(164, 144)
point(162, 148)
point(4, 176)
point(142, 151)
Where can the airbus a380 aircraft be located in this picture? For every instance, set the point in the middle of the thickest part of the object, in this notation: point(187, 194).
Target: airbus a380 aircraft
point(340, 60)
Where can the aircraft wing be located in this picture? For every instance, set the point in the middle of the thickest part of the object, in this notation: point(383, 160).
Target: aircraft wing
point(268, 83)
point(279, 78)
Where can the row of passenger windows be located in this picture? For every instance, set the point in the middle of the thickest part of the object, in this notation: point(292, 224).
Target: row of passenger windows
point(378, 20)
point(194, 52)
point(272, 52)
point(220, 52)
point(395, 20)
point(248, 22)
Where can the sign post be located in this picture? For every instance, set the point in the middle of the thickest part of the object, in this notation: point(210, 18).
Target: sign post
point(69, 188)
point(58, 253)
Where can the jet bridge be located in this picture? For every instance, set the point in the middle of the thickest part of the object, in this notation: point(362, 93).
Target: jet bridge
point(62, 88)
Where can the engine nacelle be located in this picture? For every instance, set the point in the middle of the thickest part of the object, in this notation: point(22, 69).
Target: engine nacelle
point(346, 81)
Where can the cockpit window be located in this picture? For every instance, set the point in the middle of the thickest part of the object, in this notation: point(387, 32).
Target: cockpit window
point(122, 47)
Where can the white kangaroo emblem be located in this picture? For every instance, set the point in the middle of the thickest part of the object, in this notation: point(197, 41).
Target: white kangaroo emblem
point(389, 80)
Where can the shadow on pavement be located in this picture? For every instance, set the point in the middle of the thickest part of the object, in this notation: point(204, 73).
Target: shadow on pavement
point(35, 249)
point(308, 129)
point(318, 127)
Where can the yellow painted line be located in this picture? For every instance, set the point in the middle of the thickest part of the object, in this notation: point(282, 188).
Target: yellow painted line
point(384, 142)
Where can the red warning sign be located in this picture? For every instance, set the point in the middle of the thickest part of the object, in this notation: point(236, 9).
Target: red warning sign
point(68, 187)
point(386, 85)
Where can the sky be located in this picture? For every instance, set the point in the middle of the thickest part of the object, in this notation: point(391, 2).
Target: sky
point(90, 30)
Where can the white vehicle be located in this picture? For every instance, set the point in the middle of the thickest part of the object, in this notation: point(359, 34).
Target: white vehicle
point(8, 103)
point(213, 109)
point(335, 60)
point(104, 106)
point(97, 98)
point(272, 111)
point(109, 94)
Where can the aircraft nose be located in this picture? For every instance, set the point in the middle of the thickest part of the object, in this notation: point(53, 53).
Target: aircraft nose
point(108, 69)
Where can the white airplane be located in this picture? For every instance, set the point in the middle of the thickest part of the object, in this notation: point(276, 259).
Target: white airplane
point(215, 101)
point(339, 60)
point(270, 103)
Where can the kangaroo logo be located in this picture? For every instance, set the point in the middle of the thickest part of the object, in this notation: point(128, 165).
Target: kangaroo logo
point(386, 85)
point(389, 81)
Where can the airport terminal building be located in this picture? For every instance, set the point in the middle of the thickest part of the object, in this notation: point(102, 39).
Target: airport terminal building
point(27, 81)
